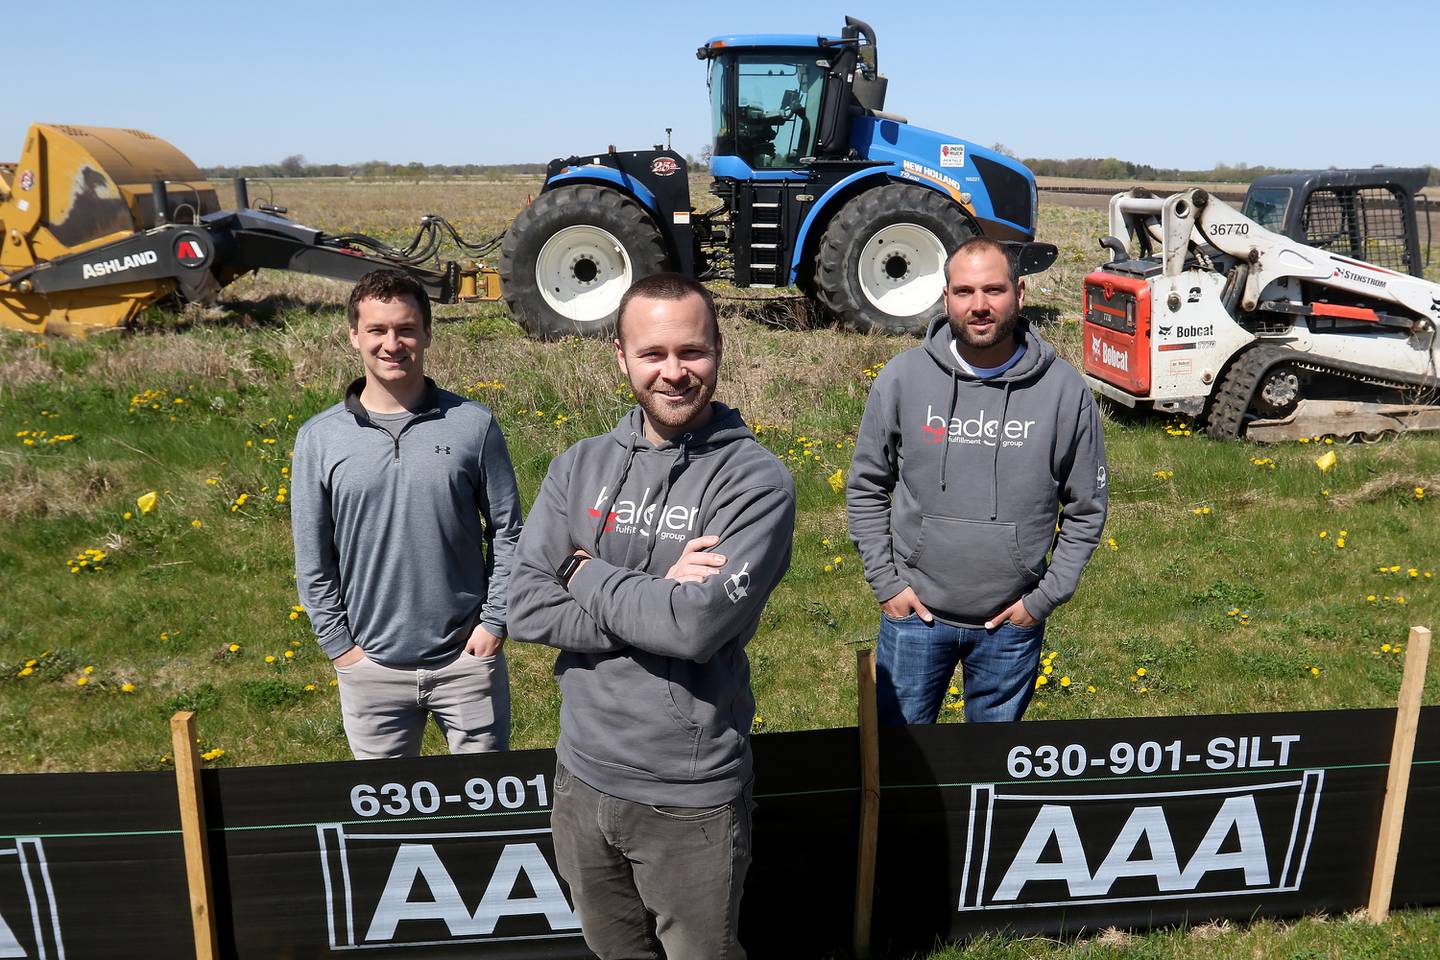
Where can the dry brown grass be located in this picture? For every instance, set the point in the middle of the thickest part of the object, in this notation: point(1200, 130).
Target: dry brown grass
point(1386, 485)
point(34, 490)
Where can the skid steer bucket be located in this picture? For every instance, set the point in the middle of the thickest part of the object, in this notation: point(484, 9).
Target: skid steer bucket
point(75, 188)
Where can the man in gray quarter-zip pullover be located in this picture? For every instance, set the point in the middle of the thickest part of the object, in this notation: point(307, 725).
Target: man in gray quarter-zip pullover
point(971, 448)
point(406, 515)
point(647, 560)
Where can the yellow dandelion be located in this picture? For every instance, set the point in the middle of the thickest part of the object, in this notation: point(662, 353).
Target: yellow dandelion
point(196, 524)
point(147, 501)
point(127, 687)
point(82, 681)
point(234, 648)
point(1140, 671)
point(1090, 688)
point(269, 658)
point(1064, 681)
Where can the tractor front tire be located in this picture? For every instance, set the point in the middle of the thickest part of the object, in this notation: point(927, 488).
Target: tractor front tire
point(881, 263)
point(570, 256)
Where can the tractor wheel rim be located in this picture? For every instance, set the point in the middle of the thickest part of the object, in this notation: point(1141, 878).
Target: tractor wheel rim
point(582, 271)
point(902, 269)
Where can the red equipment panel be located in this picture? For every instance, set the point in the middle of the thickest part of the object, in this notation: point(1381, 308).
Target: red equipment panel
point(1117, 331)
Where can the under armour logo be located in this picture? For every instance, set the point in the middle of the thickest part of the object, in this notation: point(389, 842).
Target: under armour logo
point(736, 587)
point(1101, 478)
point(442, 449)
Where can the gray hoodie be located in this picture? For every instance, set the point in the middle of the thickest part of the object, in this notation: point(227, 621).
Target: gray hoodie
point(657, 703)
point(956, 481)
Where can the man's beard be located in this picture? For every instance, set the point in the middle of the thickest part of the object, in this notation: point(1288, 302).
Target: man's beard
point(670, 416)
point(1001, 330)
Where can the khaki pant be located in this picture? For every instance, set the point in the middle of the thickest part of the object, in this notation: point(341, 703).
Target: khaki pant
point(384, 708)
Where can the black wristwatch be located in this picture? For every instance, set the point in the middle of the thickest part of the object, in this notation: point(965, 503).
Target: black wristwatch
point(567, 568)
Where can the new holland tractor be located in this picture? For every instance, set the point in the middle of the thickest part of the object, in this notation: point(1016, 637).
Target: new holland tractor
point(817, 187)
point(1306, 314)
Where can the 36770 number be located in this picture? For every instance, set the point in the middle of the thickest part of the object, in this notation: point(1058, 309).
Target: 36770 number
point(422, 796)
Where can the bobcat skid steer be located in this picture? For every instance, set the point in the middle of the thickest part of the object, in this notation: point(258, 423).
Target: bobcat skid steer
point(1254, 333)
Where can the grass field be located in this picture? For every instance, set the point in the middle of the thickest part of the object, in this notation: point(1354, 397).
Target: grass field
point(1238, 578)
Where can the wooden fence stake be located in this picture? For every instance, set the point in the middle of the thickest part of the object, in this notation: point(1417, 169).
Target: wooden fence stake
point(869, 802)
point(192, 826)
point(1402, 750)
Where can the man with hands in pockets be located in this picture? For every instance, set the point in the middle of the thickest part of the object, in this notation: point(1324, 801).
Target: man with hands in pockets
point(973, 448)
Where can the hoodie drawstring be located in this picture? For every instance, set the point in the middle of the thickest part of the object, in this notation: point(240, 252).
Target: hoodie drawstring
point(995, 458)
point(604, 508)
point(682, 459)
point(945, 437)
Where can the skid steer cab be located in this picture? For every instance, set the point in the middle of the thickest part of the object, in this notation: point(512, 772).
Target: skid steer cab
point(815, 185)
point(1304, 315)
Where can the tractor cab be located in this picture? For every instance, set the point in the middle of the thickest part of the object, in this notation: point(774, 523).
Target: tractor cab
point(779, 102)
point(1365, 214)
point(761, 104)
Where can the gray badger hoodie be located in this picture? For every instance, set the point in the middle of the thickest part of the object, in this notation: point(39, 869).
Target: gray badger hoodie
point(957, 481)
point(657, 705)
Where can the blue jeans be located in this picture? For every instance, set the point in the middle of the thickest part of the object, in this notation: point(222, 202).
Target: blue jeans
point(914, 661)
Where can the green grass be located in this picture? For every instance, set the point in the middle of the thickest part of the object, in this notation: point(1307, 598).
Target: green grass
point(172, 597)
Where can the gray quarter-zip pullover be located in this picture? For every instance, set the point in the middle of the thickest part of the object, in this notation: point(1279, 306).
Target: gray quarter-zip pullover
point(403, 542)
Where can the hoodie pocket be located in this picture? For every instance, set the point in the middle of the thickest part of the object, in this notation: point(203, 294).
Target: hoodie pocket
point(969, 568)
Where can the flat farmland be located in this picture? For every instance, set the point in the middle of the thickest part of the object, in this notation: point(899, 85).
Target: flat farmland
point(1231, 577)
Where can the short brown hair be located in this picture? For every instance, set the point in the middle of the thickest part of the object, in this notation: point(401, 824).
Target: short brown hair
point(667, 286)
point(386, 285)
point(984, 244)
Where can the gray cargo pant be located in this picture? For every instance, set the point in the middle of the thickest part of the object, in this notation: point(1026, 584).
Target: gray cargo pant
point(652, 882)
point(384, 708)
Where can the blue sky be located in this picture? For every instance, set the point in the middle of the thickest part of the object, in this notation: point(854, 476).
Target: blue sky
point(1170, 84)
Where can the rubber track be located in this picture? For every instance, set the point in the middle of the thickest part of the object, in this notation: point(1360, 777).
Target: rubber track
point(1226, 417)
point(1238, 384)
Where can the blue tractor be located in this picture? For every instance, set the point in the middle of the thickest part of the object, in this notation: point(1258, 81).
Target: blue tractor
point(818, 187)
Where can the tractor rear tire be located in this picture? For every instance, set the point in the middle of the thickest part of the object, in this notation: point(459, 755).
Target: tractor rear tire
point(881, 263)
point(570, 256)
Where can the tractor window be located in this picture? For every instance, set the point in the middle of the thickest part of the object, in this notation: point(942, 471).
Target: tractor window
point(765, 108)
point(1266, 206)
point(1367, 223)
